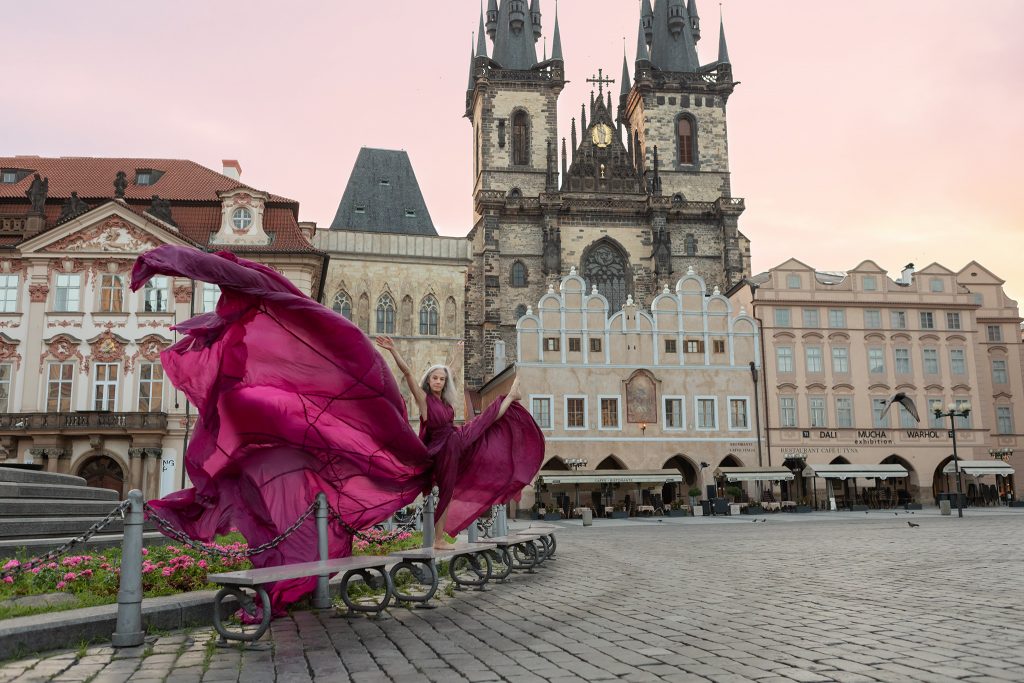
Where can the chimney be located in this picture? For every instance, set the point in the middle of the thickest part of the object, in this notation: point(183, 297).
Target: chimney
point(232, 169)
point(907, 276)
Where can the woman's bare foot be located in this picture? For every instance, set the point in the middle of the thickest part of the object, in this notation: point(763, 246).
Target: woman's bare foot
point(443, 545)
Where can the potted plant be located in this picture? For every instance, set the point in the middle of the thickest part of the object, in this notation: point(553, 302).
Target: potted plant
point(694, 494)
point(620, 512)
point(676, 509)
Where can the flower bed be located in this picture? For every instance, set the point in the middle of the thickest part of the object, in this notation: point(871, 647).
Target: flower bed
point(93, 578)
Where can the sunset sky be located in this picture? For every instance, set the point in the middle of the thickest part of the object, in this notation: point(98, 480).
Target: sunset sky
point(870, 129)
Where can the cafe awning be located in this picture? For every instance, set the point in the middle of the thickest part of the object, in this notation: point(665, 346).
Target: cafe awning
point(609, 477)
point(856, 471)
point(979, 468)
point(754, 473)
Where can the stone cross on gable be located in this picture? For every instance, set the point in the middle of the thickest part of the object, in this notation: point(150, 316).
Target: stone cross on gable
point(601, 81)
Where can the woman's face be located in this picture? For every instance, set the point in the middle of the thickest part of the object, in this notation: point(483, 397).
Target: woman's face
point(437, 381)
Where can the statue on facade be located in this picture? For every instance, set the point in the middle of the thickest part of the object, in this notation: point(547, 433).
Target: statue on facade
point(662, 252)
point(120, 185)
point(552, 250)
point(161, 209)
point(72, 207)
point(37, 193)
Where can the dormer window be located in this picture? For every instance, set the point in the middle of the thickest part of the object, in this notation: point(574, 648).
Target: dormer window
point(360, 209)
point(147, 176)
point(385, 181)
point(410, 213)
point(241, 219)
point(8, 176)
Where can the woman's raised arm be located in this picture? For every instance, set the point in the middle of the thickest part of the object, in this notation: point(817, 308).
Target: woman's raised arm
point(420, 397)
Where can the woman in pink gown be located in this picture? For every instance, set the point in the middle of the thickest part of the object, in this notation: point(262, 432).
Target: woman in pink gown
point(293, 399)
point(504, 435)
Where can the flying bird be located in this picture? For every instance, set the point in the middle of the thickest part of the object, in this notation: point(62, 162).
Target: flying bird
point(911, 524)
point(905, 401)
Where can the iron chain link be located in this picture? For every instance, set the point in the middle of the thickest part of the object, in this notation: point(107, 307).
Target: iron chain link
point(356, 533)
point(63, 549)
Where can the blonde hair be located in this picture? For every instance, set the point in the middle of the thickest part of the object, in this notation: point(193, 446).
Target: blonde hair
point(449, 394)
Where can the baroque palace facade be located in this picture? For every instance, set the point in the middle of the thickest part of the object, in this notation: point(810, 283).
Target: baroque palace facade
point(82, 390)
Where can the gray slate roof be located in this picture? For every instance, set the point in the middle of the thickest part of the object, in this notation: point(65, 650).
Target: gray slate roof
point(382, 195)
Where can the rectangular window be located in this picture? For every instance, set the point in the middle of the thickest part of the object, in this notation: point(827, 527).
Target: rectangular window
point(793, 281)
point(787, 411)
point(718, 346)
point(707, 413)
point(111, 293)
point(995, 333)
point(782, 318)
point(9, 177)
point(872, 319)
point(869, 283)
point(877, 410)
point(999, 374)
point(609, 413)
point(902, 358)
point(211, 295)
point(936, 284)
point(814, 362)
point(66, 296)
point(58, 387)
point(104, 386)
point(1004, 420)
point(784, 358)
point(957, 364)
point(927, 320)
point(540, 408)
point(952, 320)
point(935, 421)
point(836, 317)
point(575, 412)
point(898, 320)
point(816, 404)
point(840, 360)
point(844, 411)
point(694, 346)
point(876, 360)
point(930, 357)
point(811, 318)
point(738, 414)
point(963, 422)
point(670, 346)
point(907, 420)
point(154, 295)
point(151, 387)
point(551, 344)
point(674, 416)
point(6, 371)
point(595, 344)
point(574, 344)
point(8, 293)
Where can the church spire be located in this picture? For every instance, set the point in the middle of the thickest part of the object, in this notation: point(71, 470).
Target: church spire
point(624, 88)
point(556, 41)
point(472, 69)
point(641, 47)
point(481, 41)
point(514, 36)
point(723, 48)
point(672, 45)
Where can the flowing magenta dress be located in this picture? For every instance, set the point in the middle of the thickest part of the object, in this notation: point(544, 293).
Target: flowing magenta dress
point(293, 399)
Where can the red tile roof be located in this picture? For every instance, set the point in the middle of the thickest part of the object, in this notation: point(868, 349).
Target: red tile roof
point(93, 178)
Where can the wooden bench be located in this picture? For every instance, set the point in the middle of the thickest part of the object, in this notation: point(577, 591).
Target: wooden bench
point(547, 539)
point(515, 552)
point(469, 566)
point(232, 584)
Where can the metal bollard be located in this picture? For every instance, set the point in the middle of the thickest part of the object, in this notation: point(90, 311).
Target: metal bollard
point(472, 532)
point(428, 518)
point(500, 522)
point(129, 631)
point(322, 596)
point(389, 525)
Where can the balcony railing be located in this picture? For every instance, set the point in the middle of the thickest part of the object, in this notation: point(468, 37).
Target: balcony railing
point(85, 421)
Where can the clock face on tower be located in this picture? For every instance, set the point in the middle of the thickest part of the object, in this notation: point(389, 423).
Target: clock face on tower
point(601, 134)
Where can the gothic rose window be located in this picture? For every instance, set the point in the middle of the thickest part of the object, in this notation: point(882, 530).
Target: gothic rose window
point(606, 267)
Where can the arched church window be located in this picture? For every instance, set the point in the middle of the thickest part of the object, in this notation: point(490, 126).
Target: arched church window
point(342, 304)
point(685, 129)
point(451, 329)
point(606, 265)
point(429, 315)
point(691, 244)
point(520, 141)
point(519, 277)
point(385, 314)
point(405, 324)
point(363, 313)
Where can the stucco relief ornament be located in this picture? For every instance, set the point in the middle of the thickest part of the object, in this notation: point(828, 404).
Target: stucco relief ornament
point(13, 267)
point(37, 293)
point(107, 348)
point(182, 294)
point(62, 348)
point(9, 352)
point(150, 347)
point(243, 200)
point(111, 235)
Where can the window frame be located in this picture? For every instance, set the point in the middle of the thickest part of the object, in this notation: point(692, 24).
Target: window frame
point(837, 318)
point(877, 408)
point(841, 354)
point(817, 403)
point(788, 357)
point(926, 319)
point(997, 330)
point(1004, 419)
point(429, 316)
point(872, 319)
point(551, 413)
point(113, 385)
point(72, 293)
point(815, 353)
point(211, 296)
point(898, 320)
point(681, 399)
point(958, 357)
point(518, 275)
point(841, 411)
point(242, 218)
point(383, 322)
point(876, 353)
point(901, 357)
point(110, 290)
point(70, 382)
point(954, 321)
point(930, 357)
point(151, 384)
point(811, 317)
point(686, 147)
point(9, 293)
point(788, 408)
point(1000, 375)
point(782, 317)
point(733, 400)
point(697, 401)
point(161, 292)
point(565, 413)
point(601, 398)
point(6, 386)
point(338, 303)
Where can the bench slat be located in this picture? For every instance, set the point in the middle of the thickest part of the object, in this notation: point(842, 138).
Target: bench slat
point(433, 553)
point(256, 577)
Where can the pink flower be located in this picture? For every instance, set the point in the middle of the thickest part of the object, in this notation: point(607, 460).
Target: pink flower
point(60, 584)
point(11, 564)
point(36, 570)
point(202, 564)
point(70, 576)
point(87, 572)
point(145, 551)
point(8, 579)
point(167, 571)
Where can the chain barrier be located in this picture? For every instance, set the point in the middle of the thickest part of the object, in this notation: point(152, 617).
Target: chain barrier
point(356, 533)
point(170, 530)
point(117, 512)
point(484, 524)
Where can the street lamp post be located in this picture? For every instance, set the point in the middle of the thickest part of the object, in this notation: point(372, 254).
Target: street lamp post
point(574, 464)
point(953, 412)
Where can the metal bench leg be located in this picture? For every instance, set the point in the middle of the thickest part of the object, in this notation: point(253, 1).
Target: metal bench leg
point(249, 607)
point(524, 556)
point(467, 565)
point(376, 608)
point(423, 599)
point(500, 556)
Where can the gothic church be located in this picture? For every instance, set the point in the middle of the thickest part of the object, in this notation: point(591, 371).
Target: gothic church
point(639, 193)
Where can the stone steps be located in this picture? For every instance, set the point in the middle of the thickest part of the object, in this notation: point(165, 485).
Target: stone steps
point(47, 527)
point(54, 507)
point(20, 475)
point(25, 548)
point(55, 491)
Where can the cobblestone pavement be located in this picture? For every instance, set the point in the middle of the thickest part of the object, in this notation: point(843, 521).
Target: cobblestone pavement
point(852, 598)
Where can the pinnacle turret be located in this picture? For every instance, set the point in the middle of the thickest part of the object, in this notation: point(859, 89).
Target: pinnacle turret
point(481, 41)
point(694, 20)
point(647, 22)
point(641, 47)
point(723, 48)
point(556, 41)
point(535, 18)
point(492, 18)
point(624, 88)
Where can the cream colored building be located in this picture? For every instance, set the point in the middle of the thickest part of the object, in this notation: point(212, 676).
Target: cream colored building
point(641, 395)
point(836, 345)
